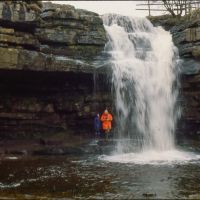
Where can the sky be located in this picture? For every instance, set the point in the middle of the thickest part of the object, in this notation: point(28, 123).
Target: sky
point(102, 7)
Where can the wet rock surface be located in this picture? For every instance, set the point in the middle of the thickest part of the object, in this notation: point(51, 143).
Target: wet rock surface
point(47, 69)
point(38, 105)
point(57, 36)
point(186, 37)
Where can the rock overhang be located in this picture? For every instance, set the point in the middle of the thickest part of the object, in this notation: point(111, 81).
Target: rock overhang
point(53, 38)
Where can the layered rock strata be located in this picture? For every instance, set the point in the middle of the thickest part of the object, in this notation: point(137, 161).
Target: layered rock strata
point(186, 37)
point(47, 69)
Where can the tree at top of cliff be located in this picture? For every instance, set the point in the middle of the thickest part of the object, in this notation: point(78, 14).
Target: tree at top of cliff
point(176, 8)
point(180, 7)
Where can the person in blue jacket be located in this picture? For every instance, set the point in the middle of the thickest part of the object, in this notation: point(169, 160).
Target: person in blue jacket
point(97, 125)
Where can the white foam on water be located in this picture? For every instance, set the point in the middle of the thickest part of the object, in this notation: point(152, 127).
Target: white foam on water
point(154, 157)
point(144, 62)
point(11, 158)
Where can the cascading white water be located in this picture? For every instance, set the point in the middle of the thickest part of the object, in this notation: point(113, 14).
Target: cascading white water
point(144, 68)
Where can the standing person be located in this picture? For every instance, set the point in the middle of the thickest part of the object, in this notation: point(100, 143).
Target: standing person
point(97, 125)
point(106, 119)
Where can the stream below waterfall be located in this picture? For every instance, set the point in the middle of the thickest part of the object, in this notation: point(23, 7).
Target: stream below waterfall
point(90, 177)
point(145, 161)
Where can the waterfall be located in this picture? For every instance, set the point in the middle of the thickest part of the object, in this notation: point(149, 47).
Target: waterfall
point(144, 66)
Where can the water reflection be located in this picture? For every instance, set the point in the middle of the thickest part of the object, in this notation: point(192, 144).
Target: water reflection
point(89, 177)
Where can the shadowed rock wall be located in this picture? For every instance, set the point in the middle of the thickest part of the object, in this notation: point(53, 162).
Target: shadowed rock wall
point(186, 37)
point(47, 55)
point(36, 104)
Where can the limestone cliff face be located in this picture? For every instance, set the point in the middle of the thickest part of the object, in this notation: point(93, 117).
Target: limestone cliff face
point(59, 38)
point(47, 53)
point(186, 36)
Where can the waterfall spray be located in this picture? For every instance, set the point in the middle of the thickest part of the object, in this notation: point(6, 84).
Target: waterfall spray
point(144, 68)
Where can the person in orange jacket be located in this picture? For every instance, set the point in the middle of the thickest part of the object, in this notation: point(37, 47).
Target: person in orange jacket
point(106, 119)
